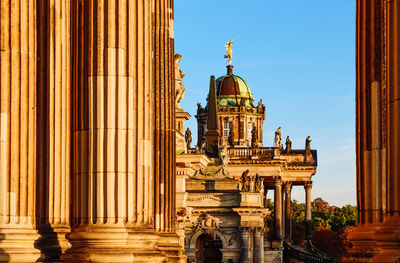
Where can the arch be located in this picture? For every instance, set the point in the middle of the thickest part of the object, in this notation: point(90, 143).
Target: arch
point(193, 239)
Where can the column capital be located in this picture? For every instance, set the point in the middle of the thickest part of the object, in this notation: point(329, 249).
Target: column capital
point(288, 187)
point(308, 185)
point(278, 181)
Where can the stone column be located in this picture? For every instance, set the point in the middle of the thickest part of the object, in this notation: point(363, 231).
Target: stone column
point(307, 187)
point(246, 253)
point(54, 127)
point(123, 179)
point(288, 221)
point(18, 131)
point(278, 207)
point(259, 245)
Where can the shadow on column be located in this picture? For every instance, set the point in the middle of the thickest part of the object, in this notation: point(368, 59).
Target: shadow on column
point(48, 241)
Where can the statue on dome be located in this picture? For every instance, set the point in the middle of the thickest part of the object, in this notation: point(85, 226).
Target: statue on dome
point(278, 138)
point(228, 48)
point(288, 145)
point(179, 75)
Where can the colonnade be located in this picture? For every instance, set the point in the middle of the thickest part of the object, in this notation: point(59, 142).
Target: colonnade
point(282, 208)
point(87, 131)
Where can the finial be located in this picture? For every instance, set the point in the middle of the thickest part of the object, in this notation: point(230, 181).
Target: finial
point(228, 48)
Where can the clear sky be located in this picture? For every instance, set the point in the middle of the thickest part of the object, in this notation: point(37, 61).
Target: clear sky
point(299, 57)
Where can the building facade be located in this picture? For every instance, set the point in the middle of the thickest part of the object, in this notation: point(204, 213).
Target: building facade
point(223, 183)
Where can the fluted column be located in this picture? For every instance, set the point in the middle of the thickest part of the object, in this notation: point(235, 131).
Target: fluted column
point(259, 245)
point(54, 127)
point(307, 187)
point(123, 131)
point(18, 131)
point(246, 253)
point(288, 221)
point(278, 207)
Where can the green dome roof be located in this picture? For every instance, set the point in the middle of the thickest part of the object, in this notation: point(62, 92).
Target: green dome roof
point(231, 89)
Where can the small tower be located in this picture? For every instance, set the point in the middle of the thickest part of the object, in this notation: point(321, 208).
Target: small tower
point(212, 134)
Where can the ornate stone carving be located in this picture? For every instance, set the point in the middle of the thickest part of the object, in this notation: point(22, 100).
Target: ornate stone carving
point(188, 139)
point(277, 180)
point(183, 216)
point(231, 138)
point(224, 153)
point(244, 181)
point(228, 48)
point(288, 144)
point(278, 138)
point(179, 75)
point(254, 138)
point(208, 223)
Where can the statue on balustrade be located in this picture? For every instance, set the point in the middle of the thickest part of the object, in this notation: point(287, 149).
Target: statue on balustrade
point(308, 145)
point(179, 75)
point(188, 139)
point(231, 138)
point(259, 184)
point(278, 138)
point(288, 145)
point(252, 187)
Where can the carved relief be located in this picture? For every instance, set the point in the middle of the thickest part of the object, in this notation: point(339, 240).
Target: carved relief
point(208, 223)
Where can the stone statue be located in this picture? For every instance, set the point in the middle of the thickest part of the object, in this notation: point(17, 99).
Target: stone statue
point(254, 138)
point(259, 184)
point(278, 138)
point(288, 144)
point(260, 106)
point(252, 184)
point(228, 48)
point(199, 108)
point(179, 88)
point(224, 153)
point(188, 139)
point(308, 146)
point(231, 138)
point(242, 102)
point(245, 185)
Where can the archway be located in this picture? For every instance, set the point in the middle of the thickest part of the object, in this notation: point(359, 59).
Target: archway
point(208, 249)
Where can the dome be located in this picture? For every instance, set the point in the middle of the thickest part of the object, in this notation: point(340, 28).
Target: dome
point(231, 89)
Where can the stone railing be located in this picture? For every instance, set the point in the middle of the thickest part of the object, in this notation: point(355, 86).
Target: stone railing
point(245, 153)
point(301, 254)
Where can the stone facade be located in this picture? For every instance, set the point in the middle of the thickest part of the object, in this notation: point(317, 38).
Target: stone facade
point(221, 201)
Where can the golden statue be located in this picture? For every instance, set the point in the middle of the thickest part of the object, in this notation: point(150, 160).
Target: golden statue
point(228, 48)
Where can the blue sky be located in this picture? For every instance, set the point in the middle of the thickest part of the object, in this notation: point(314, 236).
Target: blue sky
point(299, 57)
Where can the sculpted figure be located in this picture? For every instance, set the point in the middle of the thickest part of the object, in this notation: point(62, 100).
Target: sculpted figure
point(228, 48)
point(254, 137)
point(278, 138)
point(224, 154)
point(288, 145)
point(179, 88)
point(259, 183)
point(197, 149)
point(199, 108)
point(188, 138)
point(231, 138)
point(252, 184)
point(203, 143)
point(244, 180)
point(308, 145)
point(243, 102)
point(260, 105)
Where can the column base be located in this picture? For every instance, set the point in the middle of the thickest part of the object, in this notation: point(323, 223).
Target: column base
point(53, 242)
point(375, 242)
point(18, 244)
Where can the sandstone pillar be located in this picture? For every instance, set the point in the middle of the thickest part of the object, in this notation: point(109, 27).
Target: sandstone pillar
point(18, 131)
point(288, 221)
point(376, 236)
point(54, 127)
point(123, 132)
point(307, 187)
point(278, 207)
point(259, 245)
point(246, 252)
